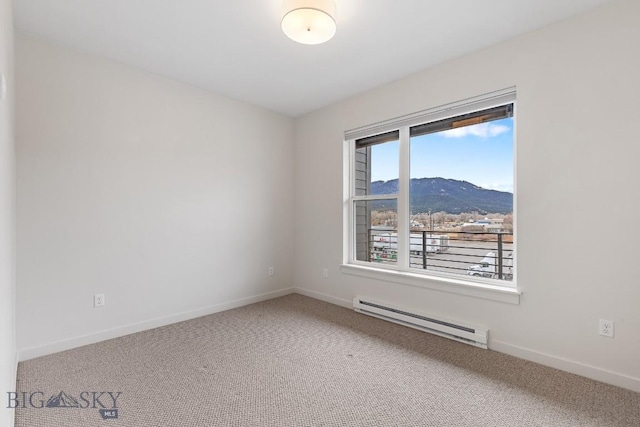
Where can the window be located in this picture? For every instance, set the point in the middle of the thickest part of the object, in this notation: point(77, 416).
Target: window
point(432, 193)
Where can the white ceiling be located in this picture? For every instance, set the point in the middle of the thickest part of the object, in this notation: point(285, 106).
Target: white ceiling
point(236, 47)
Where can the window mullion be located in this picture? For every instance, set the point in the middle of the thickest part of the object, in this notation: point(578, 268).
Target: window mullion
point(403, 200)
point(348, 237)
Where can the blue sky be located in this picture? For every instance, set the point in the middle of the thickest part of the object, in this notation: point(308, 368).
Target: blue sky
point(481, 154)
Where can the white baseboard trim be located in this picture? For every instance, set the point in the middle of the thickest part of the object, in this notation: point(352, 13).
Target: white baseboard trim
point(55, 347)
point(324, 297)
point(567, 365)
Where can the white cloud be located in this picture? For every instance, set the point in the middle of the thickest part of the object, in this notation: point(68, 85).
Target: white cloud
point(482, 130)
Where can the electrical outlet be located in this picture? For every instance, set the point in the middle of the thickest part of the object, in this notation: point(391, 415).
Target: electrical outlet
point(270, 271)
point(325, 272)
point(606, 328)
point(98, 300)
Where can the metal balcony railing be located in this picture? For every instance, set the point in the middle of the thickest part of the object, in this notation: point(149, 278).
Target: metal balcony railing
point(471, 253)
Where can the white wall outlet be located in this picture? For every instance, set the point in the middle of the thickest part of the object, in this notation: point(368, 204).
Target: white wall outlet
point(270, 271)
point(606, 328)
point(325, 272)
point(98, 300)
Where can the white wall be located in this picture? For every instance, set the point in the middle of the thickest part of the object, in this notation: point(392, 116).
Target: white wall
point(7, 212)
point(171, 200)
point(577, 191)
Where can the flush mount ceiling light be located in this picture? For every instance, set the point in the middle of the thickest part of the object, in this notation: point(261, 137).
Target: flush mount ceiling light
point(309, 21)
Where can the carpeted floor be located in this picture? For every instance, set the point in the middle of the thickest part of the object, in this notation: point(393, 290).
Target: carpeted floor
point(295, 361)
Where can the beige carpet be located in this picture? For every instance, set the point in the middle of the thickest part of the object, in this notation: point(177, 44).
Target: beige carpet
point(295, 361)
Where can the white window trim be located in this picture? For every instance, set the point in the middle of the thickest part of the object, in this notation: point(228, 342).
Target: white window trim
point(401, 273)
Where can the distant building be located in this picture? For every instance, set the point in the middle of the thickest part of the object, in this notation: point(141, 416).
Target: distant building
point(488, 225)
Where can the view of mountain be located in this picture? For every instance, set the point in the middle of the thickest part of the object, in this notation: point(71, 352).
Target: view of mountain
point(447, 195)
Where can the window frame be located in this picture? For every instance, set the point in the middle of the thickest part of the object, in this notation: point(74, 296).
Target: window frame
point(401, 272)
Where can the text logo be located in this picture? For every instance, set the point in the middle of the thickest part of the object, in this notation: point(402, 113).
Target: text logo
point(105, 401)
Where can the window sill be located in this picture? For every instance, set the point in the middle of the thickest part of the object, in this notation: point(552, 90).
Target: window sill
point(444, 284)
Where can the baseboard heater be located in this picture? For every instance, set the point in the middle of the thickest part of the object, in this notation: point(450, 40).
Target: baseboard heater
point(445, 328)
